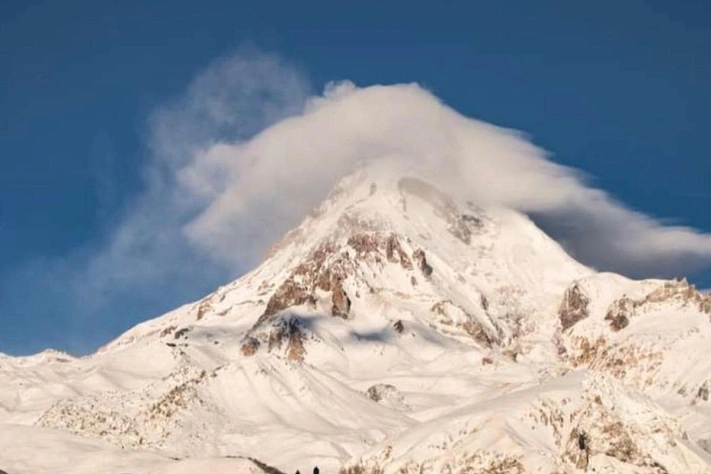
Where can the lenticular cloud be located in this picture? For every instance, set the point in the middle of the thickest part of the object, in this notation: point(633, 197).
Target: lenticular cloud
point(255, 190)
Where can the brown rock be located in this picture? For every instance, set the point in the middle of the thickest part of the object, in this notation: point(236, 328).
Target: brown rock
point(295, 350)
point(341, 303)
point(421, 261)
point(363, 244)
point(203, 308)
point(619, 313)
point(250, 347)
point(168, 330)
point(477, 332)
point(287, 295)
point(574, 307)
point(395, 254)
point(289, 331)
point(704, 391)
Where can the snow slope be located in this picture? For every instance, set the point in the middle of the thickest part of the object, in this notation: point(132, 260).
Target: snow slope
point(395, 330)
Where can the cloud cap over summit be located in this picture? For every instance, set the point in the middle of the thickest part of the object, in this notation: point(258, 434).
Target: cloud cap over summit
point(257, 189)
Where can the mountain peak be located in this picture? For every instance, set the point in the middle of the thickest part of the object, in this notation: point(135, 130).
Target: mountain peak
point(383, 239)
point(398, 329)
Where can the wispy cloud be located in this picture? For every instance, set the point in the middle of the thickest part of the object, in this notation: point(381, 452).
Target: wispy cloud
point(247, 151)
point(144, 263)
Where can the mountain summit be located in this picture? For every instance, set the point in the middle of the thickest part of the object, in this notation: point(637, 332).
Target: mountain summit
point(397, 329)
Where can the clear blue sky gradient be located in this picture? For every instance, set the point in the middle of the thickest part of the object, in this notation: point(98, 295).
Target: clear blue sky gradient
point(618, 89)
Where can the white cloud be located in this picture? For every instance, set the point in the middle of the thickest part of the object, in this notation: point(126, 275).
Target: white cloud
point(260, 188)
point(248, 151)
point(144, 264)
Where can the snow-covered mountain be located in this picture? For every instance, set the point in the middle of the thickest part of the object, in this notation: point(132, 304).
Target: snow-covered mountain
point(396, 330)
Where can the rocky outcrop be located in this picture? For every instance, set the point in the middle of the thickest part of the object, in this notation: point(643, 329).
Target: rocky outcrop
point(340, 302)
point(599, 431)
point(477, 332)
point(250, 346)
point(328, 267)
point(574, 307)
point(395, 253)
point(452, 315)
point(704, 392)
point(203, 309)
point(295, 349)
point(381, 391)
point(421, 261)
point(288, 334)
point(207, 305)
point(619, 313)
point(679, 292)
point(300, 287)
point(290, 293)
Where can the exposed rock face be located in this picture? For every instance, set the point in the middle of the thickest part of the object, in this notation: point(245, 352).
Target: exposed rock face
point(207, 304)
point(680, 292)
point(704, 392)
point(364, 244)
point(295, 350)
point(453, 315)
point(705, 305)
point(281, 331)
point(387, 395)
point(288, 331)
point(181, 333)
point(289, 294)
point(395, 253)
point(380, 391)
point(421, 261)
point(341, 304)
point(574, 307)
point(300, 287)
point(619, 313)
point(600, 431)
point(328, 267)
point(477, 332)
point(202, 309)
point(250, 346)
point(168, 331)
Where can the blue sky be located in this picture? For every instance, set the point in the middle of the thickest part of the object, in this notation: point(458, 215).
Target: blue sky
point(618, 90)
